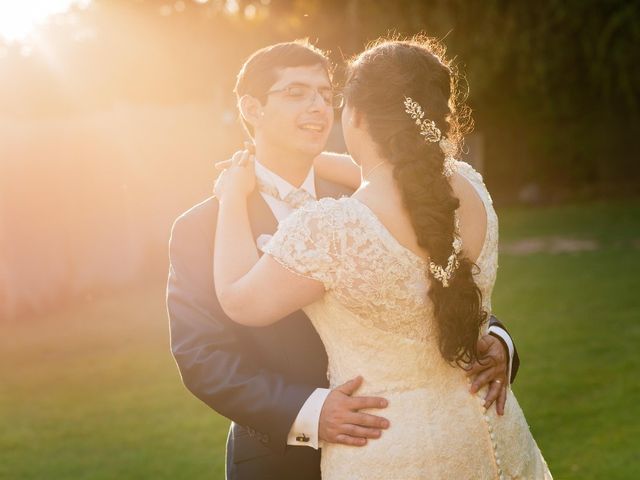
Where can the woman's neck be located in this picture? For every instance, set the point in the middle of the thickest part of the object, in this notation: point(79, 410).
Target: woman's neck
point(377, 180)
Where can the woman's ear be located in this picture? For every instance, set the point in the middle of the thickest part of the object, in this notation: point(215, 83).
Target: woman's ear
point(251, 110)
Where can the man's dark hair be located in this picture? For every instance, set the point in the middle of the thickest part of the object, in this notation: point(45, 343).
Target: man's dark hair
point(260, 71)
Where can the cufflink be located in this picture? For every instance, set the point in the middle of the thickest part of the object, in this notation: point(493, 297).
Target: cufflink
point(302, 438)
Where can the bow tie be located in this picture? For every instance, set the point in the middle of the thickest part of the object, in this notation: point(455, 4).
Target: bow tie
point(295, 198)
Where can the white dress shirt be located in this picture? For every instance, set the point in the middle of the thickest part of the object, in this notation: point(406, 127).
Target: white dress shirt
point(306, 423)
point(495, 329)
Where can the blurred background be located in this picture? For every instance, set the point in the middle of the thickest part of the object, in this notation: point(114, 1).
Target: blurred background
point(112, 113)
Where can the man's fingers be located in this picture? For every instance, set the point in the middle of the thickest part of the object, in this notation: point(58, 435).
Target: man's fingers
point(366, 420)
point(349, 388)
point(353, 441)
point(476, 368)
point(482, 379)
point(357, 431)
point(494, 390)
point(360, 403)
point(482, 345)
point(502, 400)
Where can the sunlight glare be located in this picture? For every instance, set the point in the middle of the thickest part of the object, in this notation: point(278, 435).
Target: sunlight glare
point(18, 19)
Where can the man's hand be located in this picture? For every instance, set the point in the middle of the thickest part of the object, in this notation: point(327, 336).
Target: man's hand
point(341, 420)
point(491, 369)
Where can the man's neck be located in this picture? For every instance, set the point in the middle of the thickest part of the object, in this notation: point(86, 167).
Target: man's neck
point(290, 166)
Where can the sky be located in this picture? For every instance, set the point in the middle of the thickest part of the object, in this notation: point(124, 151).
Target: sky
point(19, 19)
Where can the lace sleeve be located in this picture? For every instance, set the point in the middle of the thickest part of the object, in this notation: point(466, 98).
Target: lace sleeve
point(305, 242)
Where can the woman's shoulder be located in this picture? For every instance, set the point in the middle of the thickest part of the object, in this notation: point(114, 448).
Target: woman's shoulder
point(474, 177)
point(467, 170)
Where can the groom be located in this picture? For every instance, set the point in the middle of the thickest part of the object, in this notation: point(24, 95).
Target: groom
point(272, 381)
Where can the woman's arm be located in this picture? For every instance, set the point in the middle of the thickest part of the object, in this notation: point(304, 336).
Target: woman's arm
point(338, 168)
point(252, 291)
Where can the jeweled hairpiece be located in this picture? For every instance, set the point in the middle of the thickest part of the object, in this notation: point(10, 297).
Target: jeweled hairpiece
point(444, 274)
point(428, 128)
point(431, 133)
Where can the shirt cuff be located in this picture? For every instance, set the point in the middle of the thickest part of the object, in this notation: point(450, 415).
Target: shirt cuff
point(504, 336)
point(304, 431)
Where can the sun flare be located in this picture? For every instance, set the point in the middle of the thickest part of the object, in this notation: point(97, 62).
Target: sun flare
point(19, 18)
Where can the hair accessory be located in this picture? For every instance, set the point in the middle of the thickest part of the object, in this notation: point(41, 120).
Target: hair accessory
point(428, 127)
point(444, 274)
point(431, 133)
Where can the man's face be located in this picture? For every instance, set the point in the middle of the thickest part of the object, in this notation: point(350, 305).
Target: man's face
point(296, 117)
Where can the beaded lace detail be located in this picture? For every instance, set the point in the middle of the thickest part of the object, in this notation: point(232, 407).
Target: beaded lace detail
point(342, 244)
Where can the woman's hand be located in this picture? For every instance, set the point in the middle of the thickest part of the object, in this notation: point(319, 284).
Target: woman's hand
point(239, 178)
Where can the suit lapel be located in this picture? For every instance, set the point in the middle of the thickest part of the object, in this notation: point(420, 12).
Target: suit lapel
point(294, 329)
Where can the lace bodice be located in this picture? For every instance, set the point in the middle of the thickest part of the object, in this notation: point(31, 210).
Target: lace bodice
point(343, 244)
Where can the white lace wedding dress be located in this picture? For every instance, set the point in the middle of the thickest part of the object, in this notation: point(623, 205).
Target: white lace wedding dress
point(376, 321)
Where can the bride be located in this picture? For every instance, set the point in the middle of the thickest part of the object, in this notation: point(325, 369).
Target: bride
point(397, 278)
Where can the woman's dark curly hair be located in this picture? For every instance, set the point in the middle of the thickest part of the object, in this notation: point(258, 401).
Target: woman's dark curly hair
point(377, 82)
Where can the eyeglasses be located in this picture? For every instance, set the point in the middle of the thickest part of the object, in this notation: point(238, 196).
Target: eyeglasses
point(306, 93)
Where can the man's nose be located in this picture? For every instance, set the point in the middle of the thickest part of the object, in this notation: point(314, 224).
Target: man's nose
point(317, 103)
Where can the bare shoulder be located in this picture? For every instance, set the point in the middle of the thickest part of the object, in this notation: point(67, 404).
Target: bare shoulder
point(472, 215)
point(465, 190)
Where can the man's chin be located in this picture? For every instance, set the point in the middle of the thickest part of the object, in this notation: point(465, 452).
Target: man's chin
point(313, 148)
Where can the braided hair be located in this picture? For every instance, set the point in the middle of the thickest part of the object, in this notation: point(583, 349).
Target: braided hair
point(378, 82)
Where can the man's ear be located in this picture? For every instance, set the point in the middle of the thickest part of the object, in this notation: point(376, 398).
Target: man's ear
point(251, 110)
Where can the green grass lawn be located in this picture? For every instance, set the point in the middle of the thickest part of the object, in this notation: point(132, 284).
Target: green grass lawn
point(92, 392)
point(576, 321)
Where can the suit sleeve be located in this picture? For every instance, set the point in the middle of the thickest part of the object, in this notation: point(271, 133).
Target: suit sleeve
point(515, 361)
point(215, 362)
